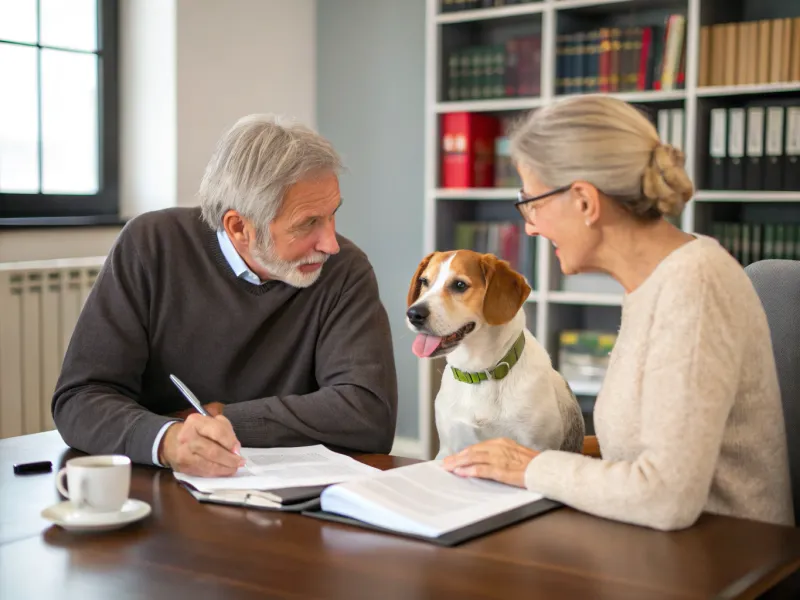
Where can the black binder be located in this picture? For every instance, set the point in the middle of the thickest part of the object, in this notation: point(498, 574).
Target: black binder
point(458, 536)
point(791, 172)
point(717, 150)
point(736, 133)
point(754, 171)
point(773, 167)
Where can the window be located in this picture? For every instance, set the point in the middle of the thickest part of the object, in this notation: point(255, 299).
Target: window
point(58, 111)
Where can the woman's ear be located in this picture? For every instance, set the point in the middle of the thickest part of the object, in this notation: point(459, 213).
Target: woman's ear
point(506, 290)
point(414, 288)
point(588, 198)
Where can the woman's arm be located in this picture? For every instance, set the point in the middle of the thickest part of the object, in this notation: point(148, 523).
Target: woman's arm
point(689, 383)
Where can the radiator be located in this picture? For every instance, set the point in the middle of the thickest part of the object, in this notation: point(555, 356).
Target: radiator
point(39, 305)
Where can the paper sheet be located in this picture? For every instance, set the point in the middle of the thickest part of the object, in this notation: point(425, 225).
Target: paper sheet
point(423, 499)
point(276, 468)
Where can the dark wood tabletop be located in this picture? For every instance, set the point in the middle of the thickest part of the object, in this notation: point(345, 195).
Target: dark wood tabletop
point(186, 549)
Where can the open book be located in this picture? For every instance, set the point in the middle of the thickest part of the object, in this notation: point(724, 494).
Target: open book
point(427, 502)
point(279, 478)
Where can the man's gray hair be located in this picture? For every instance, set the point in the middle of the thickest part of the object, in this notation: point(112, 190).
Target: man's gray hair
point(255, 162)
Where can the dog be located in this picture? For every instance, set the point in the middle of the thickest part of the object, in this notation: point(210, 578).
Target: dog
point(469, 308)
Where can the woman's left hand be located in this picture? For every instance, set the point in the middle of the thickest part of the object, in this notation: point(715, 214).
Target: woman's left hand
point(501, 459)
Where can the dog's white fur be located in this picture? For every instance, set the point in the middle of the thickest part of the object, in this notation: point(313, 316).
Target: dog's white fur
point(532, 405)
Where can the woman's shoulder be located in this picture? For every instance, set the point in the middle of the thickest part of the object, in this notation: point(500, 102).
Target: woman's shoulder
point(703, 268)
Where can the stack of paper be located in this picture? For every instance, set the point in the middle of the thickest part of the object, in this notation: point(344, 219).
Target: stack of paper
point(274, 471)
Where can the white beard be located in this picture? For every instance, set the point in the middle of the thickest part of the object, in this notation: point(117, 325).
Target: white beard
point(286, 271)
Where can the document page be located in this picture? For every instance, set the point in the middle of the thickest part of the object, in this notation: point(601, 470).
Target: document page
point(276, 468)
point(423, 499)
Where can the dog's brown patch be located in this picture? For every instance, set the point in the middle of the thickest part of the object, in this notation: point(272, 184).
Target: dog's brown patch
point(428, 268)
point(506, 290)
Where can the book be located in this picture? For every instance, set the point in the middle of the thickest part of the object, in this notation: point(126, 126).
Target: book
point(425, 502)
point(289, 474)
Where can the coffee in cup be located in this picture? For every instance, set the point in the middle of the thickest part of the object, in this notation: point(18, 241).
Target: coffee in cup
point(96, 484)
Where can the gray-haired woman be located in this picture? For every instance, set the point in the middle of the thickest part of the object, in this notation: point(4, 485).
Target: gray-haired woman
point(689, 417)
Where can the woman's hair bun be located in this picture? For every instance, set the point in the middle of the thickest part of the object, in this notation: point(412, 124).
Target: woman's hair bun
point(665, 184)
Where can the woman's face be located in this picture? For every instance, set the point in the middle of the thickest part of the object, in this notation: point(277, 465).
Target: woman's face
point(561, 218)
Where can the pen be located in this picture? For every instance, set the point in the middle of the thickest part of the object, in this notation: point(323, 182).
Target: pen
point(187, 393)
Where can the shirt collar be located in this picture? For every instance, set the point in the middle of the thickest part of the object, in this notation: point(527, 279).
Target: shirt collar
point(235, 261)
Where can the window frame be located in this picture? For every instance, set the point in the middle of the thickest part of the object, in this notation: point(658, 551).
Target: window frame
point(81, 209)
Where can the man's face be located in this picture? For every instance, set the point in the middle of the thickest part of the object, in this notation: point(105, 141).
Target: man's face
point(303, 234)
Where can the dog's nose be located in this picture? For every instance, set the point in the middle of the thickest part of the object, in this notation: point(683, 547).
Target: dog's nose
point(417, 315)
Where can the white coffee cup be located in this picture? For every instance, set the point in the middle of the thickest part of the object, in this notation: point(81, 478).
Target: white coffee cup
point(96, 483)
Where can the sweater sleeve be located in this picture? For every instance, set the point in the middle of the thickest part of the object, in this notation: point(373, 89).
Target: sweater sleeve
point(355, 406)
point(94, 405)
point(694, 352)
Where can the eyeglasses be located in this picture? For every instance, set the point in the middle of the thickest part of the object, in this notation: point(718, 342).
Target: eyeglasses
point(527, 205)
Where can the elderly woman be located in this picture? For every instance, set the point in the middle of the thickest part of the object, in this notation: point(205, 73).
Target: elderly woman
point(689, 418)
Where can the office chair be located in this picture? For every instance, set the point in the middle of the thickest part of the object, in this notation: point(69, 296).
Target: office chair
point(777, 283)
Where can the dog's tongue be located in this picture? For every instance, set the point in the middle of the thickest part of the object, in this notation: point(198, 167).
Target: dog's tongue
point(424, 345)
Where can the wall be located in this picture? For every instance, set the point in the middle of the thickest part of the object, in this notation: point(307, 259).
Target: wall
point(370, 99)
point(235, 58)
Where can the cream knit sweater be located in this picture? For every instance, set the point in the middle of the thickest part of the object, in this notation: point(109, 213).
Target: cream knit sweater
point(689, 418)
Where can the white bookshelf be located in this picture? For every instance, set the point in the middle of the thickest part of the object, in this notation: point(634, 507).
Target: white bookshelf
point(549, 305)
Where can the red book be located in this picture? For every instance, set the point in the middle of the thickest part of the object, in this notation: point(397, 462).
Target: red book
point(468, 150)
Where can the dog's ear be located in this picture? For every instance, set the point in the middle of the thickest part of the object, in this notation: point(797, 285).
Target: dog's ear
point(414, 288)
point(506, 290)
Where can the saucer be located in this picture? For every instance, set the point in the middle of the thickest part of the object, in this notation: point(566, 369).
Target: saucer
point(64, 514)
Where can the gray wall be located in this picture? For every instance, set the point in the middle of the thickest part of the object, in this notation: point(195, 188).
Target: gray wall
point(370, 104)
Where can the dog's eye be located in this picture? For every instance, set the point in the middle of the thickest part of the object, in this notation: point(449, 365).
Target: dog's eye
point(423, 282)
point(460, 286)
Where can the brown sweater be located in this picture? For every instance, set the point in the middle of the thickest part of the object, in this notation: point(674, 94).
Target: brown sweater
point(294, 366)
point(689, 418)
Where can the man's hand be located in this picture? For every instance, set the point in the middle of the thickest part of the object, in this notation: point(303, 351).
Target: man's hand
point(502, 460)
point(212, 408)
point(203, 446)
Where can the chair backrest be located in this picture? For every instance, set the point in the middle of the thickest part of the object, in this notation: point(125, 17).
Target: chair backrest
point(777, 283)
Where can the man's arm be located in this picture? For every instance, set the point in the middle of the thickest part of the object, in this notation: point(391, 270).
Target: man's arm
point(94, 405)
point(356, 405)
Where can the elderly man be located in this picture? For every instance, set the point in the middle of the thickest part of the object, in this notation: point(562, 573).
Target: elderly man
point(253, 301)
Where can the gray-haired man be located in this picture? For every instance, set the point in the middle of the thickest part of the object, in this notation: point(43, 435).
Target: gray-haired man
point(253, 301)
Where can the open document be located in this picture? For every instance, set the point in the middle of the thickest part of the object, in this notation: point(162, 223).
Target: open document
point(423, 499)
point(279, 468)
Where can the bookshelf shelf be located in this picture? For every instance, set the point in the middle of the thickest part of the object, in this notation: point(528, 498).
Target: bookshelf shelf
point(483, 14)
point(476, 194)
point(585, 388)
point(745, 196)
point(642, 97)
point(584, 298)
point(682, 117)
point(573, 4)
point(718, 91)
point(498, 105)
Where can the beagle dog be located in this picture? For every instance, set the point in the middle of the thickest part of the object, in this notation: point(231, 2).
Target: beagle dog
point(500, 381)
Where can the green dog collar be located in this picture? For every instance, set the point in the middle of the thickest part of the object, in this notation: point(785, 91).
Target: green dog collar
point(499, 371)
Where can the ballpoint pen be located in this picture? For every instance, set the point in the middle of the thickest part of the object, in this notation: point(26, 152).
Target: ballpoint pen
point(187, 393)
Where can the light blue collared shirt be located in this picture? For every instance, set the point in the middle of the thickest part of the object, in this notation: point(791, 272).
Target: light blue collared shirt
point(234, 260)
point(243, 271)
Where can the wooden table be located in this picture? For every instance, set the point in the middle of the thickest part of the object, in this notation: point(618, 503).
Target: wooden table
point(185, 549)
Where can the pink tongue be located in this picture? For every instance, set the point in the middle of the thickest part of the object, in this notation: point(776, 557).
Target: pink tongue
point(424, 345)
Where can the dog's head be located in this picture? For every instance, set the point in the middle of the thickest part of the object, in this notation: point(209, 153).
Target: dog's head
point(453, 294)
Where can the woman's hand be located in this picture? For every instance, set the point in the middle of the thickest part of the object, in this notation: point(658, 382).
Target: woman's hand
point(502, 460)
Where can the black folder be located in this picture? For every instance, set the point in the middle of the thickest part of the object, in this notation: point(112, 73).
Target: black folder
point(791, 172)
point(458, 536)
point(773, 167)
point(294, 499)
point(736, 133)
point(754, 171)
point(717, 151)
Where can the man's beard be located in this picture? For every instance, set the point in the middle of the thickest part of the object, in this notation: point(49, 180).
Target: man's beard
point(287, 271)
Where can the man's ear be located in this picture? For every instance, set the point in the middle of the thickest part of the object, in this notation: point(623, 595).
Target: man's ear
point(506, 290)
point(414, 288)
